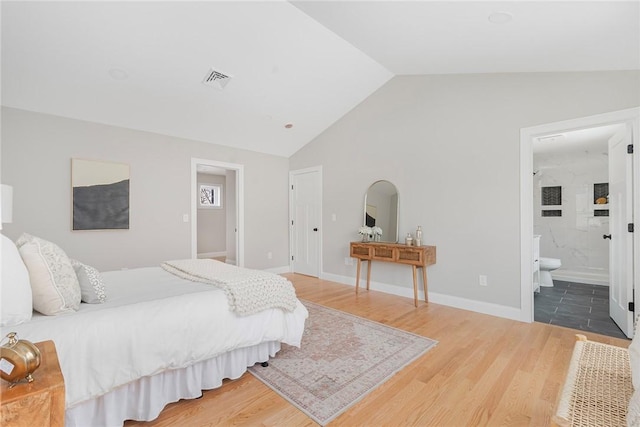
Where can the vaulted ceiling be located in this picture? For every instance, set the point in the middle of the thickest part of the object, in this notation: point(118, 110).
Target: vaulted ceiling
point(304, 64)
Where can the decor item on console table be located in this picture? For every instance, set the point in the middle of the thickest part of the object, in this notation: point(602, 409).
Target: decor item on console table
point(418, 240)
point(377, 233)
point(415, 256)
point(365, 232)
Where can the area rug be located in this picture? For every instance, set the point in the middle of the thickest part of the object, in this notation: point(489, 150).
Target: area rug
point(342, 358)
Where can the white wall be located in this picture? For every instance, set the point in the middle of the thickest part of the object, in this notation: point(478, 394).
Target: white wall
point(450, 143)
point(575, 237)
point(36, 157)
point(212, 222)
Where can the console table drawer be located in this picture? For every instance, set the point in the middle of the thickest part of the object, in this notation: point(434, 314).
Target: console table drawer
point(363, 251)
point(409, 255)
point(384, 253)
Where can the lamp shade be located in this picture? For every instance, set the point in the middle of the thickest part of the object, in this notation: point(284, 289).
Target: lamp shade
point(6, 204)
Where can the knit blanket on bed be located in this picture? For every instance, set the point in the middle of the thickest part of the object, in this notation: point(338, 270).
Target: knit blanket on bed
point(248, 291)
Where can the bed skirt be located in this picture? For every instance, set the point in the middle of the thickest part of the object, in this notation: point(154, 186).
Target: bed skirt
point(144, 399)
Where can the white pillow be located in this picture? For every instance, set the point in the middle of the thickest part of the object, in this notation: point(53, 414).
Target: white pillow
point(91, 284)
point(54, 283)
point(15, 292)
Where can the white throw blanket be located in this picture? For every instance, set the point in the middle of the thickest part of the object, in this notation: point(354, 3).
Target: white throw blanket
point(248, 291)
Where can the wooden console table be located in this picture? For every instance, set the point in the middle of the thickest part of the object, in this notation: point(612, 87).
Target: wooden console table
point(415, 256)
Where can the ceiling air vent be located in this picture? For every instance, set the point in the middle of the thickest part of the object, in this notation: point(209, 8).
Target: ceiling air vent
point(216, 79)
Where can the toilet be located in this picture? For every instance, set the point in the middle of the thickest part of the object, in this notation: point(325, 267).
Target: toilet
point(547, 265)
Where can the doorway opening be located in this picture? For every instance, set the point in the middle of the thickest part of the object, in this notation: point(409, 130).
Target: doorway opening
point(217, 211)
point(570, 218)
point(622, 286)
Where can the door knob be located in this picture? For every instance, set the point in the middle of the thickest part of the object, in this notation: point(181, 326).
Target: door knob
point(315, 229)
point(606, 236)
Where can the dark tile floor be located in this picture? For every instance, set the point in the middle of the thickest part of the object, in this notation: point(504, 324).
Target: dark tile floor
point(577, 306)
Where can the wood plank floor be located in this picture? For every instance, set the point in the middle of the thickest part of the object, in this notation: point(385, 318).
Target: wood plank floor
point(485, 371)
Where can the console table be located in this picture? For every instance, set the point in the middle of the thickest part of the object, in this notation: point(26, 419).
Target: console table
point(415, 256)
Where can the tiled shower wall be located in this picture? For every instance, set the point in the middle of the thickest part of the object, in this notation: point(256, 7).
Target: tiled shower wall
point(576, 236)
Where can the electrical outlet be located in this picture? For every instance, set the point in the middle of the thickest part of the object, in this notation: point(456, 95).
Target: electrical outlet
point(348, 261)
point(269, 255)
point(482, 280)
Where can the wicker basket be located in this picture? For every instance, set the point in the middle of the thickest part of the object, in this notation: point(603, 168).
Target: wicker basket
point(598, 386)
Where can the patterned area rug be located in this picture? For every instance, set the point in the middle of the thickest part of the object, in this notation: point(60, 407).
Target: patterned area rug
point(342, 358)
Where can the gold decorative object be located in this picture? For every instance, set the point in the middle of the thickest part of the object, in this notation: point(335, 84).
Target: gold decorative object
point(601, 201)
point(18, 359)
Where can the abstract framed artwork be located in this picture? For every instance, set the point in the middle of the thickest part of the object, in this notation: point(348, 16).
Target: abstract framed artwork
point(210, 196)
point(100, 195)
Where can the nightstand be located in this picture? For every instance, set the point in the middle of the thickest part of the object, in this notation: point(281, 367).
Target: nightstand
point(40, 403)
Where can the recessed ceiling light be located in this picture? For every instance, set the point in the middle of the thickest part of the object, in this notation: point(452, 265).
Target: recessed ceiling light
point(500, 17)
point(288, 125)
point(118, 74)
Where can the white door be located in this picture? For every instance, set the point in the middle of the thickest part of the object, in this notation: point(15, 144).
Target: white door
point(621, 244)
point(305, 222)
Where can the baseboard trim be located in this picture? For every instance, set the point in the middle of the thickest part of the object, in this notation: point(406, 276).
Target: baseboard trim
point(579, 277)
point(279, 270)
point(212, 254)
point(448, 300)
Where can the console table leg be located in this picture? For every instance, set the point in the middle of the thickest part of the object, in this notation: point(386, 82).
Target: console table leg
point(358, 275)
point(415, 285)
point(424, 284)
point(368, 272)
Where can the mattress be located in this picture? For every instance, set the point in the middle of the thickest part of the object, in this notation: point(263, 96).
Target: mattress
point(152, 322)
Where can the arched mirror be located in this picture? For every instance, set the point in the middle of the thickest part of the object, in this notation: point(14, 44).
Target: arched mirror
point(381, 209)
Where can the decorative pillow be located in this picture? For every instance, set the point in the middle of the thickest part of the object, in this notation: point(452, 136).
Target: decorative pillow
point(91, 284)
point(54, 283)
point(16, 303)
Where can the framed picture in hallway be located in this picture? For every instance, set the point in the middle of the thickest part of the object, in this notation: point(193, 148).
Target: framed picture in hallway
point(210, 196)
point(100, 195)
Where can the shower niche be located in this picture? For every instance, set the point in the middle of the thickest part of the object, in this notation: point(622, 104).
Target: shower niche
point(551, 201)
point(601, 199)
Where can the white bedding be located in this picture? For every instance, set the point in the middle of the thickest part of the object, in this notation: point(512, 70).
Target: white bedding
point(152, 321)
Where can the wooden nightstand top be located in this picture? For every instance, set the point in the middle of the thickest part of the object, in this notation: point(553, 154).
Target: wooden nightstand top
point(40, 403)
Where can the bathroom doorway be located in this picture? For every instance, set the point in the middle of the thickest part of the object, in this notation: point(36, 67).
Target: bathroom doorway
point(571, 216)
point(572, 230)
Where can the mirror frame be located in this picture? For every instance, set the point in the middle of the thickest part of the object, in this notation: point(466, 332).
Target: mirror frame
point(364, 209)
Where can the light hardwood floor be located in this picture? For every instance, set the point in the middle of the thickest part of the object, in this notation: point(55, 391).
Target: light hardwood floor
point(485, 371)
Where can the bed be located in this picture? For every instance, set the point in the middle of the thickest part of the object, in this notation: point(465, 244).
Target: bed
point(157, 338)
